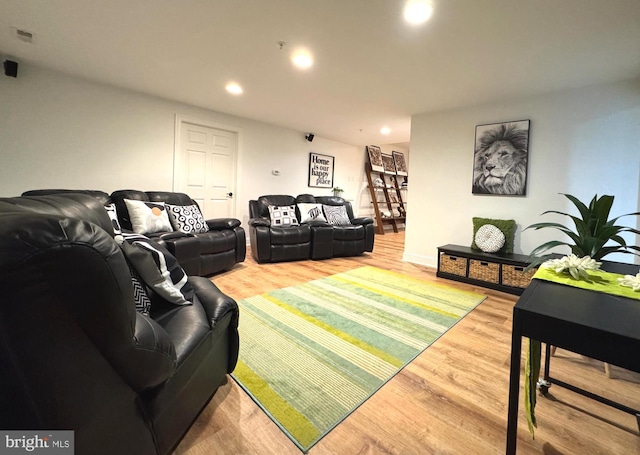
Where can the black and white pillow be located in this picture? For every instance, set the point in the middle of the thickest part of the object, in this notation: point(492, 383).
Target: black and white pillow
point(336, 215)
point(284, 215)
point(158, 269)
point(148, 217)
point(113, 215)
point(310, 212)
point(140, 296)
point(187, 219)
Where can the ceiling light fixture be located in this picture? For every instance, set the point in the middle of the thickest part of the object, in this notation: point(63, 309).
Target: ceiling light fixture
point(417, 12)
point(234, 88)
point(385, 130)
point(302, 59)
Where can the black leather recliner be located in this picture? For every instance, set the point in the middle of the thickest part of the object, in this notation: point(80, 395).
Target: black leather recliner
point(76, 355)
point(347, 240)
point(217, 250)
point(276, 243)
point(310, 240)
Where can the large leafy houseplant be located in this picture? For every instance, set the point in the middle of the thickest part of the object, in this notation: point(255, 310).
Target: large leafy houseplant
point(595, 235)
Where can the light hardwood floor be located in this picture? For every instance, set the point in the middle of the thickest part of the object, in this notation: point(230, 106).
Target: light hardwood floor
point(452, 399)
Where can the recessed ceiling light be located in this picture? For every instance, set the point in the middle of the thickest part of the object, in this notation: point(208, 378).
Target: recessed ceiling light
point(234, 88)
point(302, 59)
point(385, 130)
point(417, 11)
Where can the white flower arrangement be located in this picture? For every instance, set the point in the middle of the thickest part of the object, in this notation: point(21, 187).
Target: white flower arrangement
point(630, 281)
point(577, 267)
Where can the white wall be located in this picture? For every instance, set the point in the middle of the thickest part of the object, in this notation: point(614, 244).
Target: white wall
point(582, 142)
point(58, 131)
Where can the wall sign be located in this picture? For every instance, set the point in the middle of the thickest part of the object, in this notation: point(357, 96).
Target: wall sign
point(320, 170)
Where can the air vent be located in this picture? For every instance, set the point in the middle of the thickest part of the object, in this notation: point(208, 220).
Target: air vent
point(22, 35)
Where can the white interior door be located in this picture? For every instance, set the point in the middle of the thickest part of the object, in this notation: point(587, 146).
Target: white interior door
point(205, 167)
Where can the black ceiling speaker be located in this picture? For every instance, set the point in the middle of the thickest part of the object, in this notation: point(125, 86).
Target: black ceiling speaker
point(309, 137)
point(10, 68)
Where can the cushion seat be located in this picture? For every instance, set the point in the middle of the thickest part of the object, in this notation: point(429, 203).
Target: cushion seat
point(290, 235)
point(213, 242)
point(348, 232)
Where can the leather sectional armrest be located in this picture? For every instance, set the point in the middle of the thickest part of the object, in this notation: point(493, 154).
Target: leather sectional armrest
point(171, 235)
point(221, 309)
point(217, 224)
point(363, 220)
point(259, 222)
point(315, 223)
point(154, 356)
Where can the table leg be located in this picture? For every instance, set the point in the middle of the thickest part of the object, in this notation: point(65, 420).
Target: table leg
point(547, 358)
point(514, 383)
point(543, 383)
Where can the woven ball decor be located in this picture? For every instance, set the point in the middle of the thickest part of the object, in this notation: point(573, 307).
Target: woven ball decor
point(489, 238)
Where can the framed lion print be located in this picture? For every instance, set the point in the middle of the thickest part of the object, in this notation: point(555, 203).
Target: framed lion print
point(500, 158)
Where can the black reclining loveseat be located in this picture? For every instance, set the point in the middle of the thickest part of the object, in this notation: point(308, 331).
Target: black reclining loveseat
point(199, 254)
point(275, 241)
point(75, 353)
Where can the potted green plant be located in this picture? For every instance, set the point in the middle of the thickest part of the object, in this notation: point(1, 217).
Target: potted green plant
point(595, 235)
point(337, 191)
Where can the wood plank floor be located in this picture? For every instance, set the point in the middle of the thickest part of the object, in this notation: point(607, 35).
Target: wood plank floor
point(452, 399)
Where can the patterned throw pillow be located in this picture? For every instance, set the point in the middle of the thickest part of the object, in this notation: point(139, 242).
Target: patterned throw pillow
point(508, 228)
point(111, 211)
point(284, 215)
point(311, 212)
point(140, 297)
point(148, 217)
point(187, 219)
point(489, 238)
point(158, 269)
point(336, 215)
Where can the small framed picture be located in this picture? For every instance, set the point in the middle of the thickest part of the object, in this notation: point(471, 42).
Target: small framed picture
point(500, 158)
point(375, 158)
point(401, 165)
point(388, 164)
point(320, 170)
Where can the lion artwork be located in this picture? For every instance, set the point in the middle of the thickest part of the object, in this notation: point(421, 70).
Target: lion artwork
point(500, 161)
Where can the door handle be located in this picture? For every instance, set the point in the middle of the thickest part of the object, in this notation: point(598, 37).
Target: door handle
point(229, 194)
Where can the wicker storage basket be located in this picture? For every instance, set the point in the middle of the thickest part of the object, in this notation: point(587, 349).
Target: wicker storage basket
point(454, 265)
point(484, 271)
point(513, 275)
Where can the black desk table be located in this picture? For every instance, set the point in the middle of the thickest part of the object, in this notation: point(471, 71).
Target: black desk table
point(597, 325)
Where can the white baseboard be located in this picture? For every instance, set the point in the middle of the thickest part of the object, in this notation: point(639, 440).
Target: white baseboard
point(428, 261)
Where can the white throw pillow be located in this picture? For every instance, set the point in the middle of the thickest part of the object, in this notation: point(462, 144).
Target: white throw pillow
point(283, 215)
point(489, 238)
point(310, 212)
point(148, 217)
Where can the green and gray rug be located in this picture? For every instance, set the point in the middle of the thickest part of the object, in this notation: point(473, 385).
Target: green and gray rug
point(311, 354)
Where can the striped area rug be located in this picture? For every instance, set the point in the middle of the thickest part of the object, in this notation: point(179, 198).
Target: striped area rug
point(311, 354)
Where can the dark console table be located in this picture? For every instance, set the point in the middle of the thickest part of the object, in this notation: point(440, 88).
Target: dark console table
point(601, 326)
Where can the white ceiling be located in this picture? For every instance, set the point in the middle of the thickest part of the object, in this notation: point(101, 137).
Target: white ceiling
point(370, 70)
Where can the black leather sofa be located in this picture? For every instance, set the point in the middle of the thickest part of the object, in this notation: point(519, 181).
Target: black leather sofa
point(75, 353)
point(203, 254)
point(309, 240)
